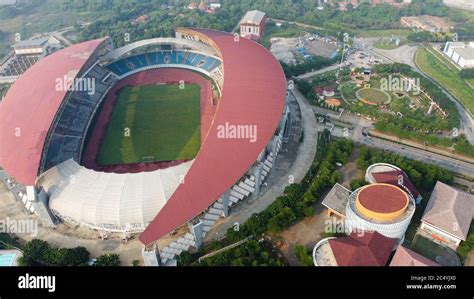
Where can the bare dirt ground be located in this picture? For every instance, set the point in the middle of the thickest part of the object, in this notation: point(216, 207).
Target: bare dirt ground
point(321, 48)
point(309, 231)
point(64, 236)
point(282, 47)
point(306, 232)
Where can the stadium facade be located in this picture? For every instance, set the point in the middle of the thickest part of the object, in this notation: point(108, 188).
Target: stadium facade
point(46, 133)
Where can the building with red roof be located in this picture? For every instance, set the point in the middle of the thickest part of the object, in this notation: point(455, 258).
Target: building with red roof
point(391, 174)
point(408, 258)
point(363, 248)
point(326, 91)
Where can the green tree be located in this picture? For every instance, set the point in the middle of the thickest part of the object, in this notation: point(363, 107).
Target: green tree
point(36, 249)
point(108, 260)
point(77, 256)
point(135, 263)
point(303, 256)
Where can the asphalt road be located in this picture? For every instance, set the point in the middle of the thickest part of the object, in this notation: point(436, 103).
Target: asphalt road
point(321, 71)
point(451, 164)
point(454, 165)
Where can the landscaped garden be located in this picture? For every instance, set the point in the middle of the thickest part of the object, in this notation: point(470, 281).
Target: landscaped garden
point(447, 76)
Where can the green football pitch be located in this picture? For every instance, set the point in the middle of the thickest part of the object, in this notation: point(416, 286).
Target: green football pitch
point(153, 123)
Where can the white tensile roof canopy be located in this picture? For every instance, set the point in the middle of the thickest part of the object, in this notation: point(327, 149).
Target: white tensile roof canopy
point(109, 200)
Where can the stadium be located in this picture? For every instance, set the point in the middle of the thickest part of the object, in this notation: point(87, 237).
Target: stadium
point(152, 137)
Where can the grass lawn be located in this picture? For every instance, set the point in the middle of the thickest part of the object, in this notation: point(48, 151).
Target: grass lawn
point(348, 91)
point(427, 248)
point(153, 123)
point(386, 44)
point(446, 77)
point(373, 95)
point(385, 33)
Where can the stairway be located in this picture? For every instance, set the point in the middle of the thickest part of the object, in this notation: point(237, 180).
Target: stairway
point(238, 192)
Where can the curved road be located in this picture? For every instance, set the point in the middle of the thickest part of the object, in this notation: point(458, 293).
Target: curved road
point(405, 54)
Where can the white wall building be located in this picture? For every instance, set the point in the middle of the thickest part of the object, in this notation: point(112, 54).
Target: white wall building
point(460, 53)
point(383, 208)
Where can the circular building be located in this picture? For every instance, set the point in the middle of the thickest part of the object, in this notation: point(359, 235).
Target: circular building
point(378, 168)
point(393, 175)
point(380, 207)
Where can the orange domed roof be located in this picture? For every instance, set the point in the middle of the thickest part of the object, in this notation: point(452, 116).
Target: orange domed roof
point(382, 201)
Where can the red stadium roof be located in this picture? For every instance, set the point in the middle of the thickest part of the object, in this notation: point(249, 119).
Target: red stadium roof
point(367, 249)
point(30, 106)
point(253, 94)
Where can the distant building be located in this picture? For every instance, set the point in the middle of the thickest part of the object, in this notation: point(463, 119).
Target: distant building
point(8, 2)
point(140, 19)
point(448, 215)
point(31, 47)
point(463, 4)
point(326, 91)
point(460, 53)
point(26, 53)
point(362, 248)
point(391, 2)
point(426, 23)
point(408, 258)
point(386, 205)
point(252, 25)
point(192, 5)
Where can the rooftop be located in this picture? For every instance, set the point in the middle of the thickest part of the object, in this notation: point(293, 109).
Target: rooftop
point(382, 199)
point(253, 16)
point(29, 108)
point(450, 210)
point(30, 43)
point(362, 249)
point(466, 53)
point(337, 199)
point(406, 257)
point(257, 98)
point(393, 178)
